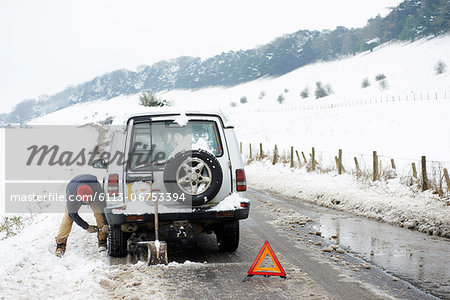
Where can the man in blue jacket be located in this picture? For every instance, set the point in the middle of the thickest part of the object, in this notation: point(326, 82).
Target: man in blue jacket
point(83, 190)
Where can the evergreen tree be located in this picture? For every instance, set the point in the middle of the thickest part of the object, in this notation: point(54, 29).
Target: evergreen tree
point(24, 111)
point(440, 67)
point(380, 76)
point(321, 91)
point(365, 83)
point(409, 30)
point(305, 93)
point(148, 99)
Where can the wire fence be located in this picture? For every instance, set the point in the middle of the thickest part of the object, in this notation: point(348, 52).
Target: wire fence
point(425, 174)
point(324, 103)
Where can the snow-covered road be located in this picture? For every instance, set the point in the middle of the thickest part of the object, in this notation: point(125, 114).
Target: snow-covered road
point(197, 269)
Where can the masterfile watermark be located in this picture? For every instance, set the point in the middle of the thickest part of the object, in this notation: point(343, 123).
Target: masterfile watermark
point(119, 198)
point(41, 160)
point(53, 156)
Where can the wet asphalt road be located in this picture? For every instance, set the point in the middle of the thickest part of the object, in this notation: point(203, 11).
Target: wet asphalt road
point(311, 273)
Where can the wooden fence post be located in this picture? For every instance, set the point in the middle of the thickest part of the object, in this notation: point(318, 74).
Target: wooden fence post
point(304, 158)
point(393, 164)
point(299, 160)
point(447, 179)
point(275, 155)
point(375, 166)
point(313, 159)
point(424, 174)
point(414, 170)
point(240, 147)
point(340, 168)
point(358, 171)
point(261, 152)
point(250, 148)
point(292, 156)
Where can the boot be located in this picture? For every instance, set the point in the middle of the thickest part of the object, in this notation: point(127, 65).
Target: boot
point(60, 249)
point(101, 245)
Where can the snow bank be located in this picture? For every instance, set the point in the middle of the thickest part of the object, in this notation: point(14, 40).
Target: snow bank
point(30, 270)
point(388, 201)
point(184, 264)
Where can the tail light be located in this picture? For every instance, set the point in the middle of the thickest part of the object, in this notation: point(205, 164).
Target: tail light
point(113, 185)
point(241, 183)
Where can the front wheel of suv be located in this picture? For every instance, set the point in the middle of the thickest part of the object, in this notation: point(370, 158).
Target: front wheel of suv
point(227, 234)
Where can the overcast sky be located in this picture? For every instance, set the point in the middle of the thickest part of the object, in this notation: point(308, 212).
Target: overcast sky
point(47, 45)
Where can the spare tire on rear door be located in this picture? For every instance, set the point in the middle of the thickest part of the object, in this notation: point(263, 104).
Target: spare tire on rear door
point(196, 173)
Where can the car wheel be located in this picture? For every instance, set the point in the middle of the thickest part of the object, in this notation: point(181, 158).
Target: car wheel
point(195, 173)
point(227, 234)
point(117, 242)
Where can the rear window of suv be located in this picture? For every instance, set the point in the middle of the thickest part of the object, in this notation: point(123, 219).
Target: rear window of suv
point(168, 139)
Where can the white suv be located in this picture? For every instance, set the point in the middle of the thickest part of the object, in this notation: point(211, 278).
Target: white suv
point(190, 163)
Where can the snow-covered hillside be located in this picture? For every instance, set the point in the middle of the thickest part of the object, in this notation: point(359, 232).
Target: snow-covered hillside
point(398, 129)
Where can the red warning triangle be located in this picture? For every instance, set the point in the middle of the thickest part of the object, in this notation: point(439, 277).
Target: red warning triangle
point(256, 268)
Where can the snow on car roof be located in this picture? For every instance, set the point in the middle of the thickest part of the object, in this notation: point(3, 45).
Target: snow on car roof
point(122, 119)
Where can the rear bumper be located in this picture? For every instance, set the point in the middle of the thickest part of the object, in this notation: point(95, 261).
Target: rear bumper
point(198, 216)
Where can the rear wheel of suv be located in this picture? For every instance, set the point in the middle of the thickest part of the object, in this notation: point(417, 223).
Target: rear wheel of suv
point(195, 173)
point(227, 234)
point(117, 242)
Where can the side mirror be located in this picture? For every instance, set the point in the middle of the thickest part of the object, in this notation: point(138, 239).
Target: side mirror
point(99, 164)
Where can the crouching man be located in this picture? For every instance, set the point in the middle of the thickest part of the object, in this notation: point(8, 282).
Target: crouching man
point(83, 190)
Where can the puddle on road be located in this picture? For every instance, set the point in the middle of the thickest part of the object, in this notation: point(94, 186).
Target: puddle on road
point(412, 255)
point(419, 258)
